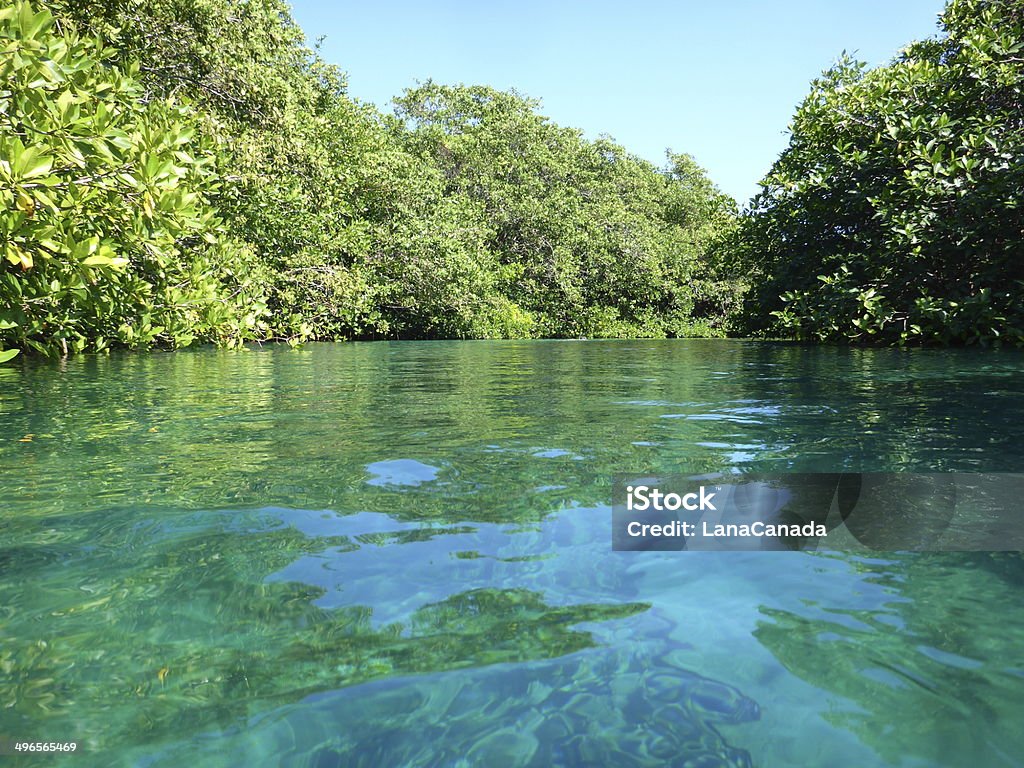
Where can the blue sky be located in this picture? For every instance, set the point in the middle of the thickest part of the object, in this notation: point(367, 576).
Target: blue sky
point(719, 80)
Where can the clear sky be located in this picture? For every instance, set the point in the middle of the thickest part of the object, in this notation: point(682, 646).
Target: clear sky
point(716, 78)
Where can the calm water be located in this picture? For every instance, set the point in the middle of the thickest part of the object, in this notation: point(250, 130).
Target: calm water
point(399, 554)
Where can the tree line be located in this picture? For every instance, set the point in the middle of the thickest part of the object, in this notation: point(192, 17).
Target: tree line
point(194, 172)
point(178, 172)
point(896, 213)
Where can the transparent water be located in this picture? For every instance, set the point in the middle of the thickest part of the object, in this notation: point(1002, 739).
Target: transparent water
point(399, 554)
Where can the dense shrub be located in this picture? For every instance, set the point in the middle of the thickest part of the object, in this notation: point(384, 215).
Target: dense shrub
point(895, 214)
point(187, 170)
point(108, 235)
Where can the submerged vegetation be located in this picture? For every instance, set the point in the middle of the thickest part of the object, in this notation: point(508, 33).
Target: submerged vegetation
point(179, 172)
point(195, 546)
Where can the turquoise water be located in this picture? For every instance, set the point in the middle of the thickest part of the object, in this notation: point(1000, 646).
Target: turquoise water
point(399, 554)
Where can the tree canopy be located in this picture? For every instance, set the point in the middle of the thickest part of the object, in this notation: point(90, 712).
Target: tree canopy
point(108, 235)
point(895, 215)
point(182, 171)
point(191, 171)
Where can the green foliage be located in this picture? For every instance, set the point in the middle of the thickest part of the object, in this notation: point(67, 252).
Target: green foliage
point(185, 171)
point(107, 235)
point(585, 239)
point(179, 171)
point(291, 146)
point(894, 216)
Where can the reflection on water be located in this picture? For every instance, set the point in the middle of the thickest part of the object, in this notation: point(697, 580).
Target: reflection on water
point(383, 554)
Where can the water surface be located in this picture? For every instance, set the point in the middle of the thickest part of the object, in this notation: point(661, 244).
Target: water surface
point(400, 554)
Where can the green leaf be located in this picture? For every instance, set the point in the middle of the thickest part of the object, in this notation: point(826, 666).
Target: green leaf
point(103, 260)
